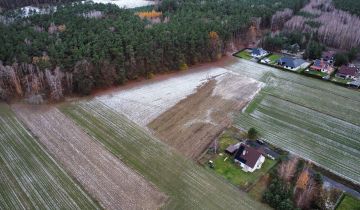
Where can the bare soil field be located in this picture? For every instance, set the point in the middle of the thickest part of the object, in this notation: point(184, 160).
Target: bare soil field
point(104, 176)
point(192, 124)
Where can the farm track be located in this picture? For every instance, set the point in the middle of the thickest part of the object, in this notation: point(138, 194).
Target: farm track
point(193, 123)
point(104, 176)
point(187, 185)
point(29, 177)
point(316, 120)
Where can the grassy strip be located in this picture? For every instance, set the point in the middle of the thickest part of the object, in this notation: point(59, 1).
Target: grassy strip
point(243, 54)
point(29, 177)
point(349, 203)
point(188, 185)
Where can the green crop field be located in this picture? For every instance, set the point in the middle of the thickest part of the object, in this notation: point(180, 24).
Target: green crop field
point(314, 119)
point(29, 177)
point(188, 185)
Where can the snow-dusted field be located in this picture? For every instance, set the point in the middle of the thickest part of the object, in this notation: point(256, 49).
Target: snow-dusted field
point(144, 103)
point(125, 3)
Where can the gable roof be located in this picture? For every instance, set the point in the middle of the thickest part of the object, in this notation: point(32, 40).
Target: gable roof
point(258, 51)
point(291, 62)
point(320, 64)
point(328, 55)
point(346, 70)
point(247, 155)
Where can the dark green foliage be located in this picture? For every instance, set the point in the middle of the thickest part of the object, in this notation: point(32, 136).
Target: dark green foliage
point(352, 53)
point(253, 133)
point(307, 14)
point(341, 59)
point(352, 6)
point(284, 40)
point(313, 24)
point(314, 50)
point(318, 178)
point(133, 47)
point(278, 195)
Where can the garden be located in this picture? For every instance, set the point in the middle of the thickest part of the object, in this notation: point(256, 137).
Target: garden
point(224, 165)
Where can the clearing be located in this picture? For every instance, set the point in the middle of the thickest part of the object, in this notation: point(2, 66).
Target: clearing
point(128, 4)
point(314, 119)
point(29, 177)
point(144, 103)
point(193, 123)
point(104, 176)
point(188, 185)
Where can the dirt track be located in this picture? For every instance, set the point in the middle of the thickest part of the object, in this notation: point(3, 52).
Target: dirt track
point(192, 124)
point(104, 176)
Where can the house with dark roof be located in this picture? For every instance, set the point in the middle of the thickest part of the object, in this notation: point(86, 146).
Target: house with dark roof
point(292, 64)
point(259, 52)
point(348, 72)
point(249, 158)
point(328, 56)
point(323, 66)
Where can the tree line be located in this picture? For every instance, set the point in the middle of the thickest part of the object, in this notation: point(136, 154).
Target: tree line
point(116, 45)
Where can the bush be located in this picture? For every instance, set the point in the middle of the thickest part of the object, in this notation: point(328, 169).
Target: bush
point(341, 59)
point(252, 133)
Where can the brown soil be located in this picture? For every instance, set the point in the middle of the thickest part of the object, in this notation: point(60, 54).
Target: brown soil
point(192, 124)
point(104, 176)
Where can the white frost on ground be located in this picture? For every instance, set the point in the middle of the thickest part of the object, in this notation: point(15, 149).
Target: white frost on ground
point(126, 3)
point(229, 88)
point(144, 103)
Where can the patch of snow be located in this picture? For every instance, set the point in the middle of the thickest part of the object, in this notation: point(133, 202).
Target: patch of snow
point(125, 3)
point(144, 103)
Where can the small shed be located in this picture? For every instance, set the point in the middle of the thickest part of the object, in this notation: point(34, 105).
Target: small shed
point(232, 148)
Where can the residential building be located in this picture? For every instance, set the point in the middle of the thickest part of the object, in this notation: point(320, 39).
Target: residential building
point(258, 53)
point(348, 72)
point(323, 66)
point(249, 158)
point(292, 64)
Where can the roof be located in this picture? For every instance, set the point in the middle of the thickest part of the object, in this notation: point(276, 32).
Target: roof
point(247, 155)
point(346, 70)
point(291, 62)
point(258, 51)
point(328, 54)
point(320, 64)
point(264, 150)
point(232, 148)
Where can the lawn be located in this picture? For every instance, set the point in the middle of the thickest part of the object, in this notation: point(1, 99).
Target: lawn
point(226, 167)
point(273, 58)
point(314, 119)
point(188, 185)
point(316, 73)
point(29, 176)
point(340, 80)
point(244, 54)
point(349, 203)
